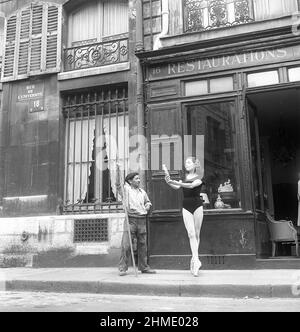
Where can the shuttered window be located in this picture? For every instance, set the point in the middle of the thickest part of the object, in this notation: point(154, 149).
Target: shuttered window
point(33, 41)
point(10, 46)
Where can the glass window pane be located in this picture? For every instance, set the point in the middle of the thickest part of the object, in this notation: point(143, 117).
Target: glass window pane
point(115, 17)
point(84, 23)
point(212, 139)
point(294, 74)
point(263, 78)
point(96, 138)
point(222, 84)
point(196, 88)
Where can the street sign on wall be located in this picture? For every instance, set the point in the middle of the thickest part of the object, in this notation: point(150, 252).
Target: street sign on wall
point(33, 94)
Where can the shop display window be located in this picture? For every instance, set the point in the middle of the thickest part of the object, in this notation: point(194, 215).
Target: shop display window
point(215, 123)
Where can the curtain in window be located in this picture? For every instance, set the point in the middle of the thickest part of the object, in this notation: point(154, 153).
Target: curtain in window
point(100, 155)
point(98, 19)
point(115, 17)
point(85, 23)
point(81, 138)
point(266, 9)
point(117, 147)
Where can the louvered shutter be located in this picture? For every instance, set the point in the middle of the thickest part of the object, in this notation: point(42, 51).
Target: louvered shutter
point(24, 42)
point(10, 48)
point(36, 38)
point(53, 51)
point(33, 41)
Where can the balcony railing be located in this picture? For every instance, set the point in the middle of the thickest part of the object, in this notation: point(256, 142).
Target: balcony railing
point(201, 15)
point(96, 55)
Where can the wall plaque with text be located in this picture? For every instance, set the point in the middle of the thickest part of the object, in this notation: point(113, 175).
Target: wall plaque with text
point(33, 94)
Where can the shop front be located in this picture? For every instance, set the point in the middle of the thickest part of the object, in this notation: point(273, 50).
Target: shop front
point(237, 110)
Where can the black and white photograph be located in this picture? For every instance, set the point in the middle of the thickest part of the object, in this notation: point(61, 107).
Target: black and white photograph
point(149, 159)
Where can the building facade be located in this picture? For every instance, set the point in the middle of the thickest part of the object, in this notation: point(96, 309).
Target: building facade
point(70, 98)
point(222, 83)
point(89, 85)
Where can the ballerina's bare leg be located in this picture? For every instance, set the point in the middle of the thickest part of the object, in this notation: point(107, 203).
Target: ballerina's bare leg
point(193, 225)
point(198, 218)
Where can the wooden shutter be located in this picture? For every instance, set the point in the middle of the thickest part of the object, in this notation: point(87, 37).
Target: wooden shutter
point(36, 38)
point(24, 42)
point(53, 38)
point(33, 41)
point(10, 48)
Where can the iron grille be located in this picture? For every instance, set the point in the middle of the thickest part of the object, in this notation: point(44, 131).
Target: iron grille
point(97, 139)
point(91, 230)
point(96, 55)
point(215, 260)
point(201, 15)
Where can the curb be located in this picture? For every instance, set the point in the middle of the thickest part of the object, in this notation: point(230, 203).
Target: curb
point(140, 289)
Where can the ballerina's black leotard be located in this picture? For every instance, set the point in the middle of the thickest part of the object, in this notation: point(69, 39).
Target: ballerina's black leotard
point(192, 199)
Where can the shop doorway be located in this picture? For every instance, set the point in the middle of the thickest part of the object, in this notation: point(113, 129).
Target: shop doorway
point(274, 118)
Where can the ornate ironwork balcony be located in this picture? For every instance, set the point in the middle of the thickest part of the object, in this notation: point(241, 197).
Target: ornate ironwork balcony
point(96, 55)
point(201, 15)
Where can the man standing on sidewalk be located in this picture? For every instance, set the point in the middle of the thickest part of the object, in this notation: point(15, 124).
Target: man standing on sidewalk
point(138, 206)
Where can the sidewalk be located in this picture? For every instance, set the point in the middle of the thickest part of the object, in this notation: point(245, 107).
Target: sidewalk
point(233, 284)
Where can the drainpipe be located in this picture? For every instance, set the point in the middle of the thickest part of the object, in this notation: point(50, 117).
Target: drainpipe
point(165, 24)
point(142, 146)
point(139, 27)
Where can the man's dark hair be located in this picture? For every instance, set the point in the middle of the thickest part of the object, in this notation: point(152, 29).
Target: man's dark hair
point(130, 177)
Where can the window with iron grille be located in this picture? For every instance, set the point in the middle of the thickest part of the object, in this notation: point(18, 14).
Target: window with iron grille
point(201, 15)
point(97, 34)
point(91, 230)
point(97, 148)
point(211, 14)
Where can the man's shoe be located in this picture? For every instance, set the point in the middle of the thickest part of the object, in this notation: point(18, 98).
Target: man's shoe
point(149, 271)
point(122, 273)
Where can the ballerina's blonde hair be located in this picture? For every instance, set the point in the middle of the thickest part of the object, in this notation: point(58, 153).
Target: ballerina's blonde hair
point(196, 162)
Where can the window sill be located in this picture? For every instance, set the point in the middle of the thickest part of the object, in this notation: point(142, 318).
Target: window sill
point(215, 212)
point(247, 28)
point(227, 212)
point(94, 71)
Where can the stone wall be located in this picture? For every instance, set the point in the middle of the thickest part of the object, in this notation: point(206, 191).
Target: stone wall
point(32, 241)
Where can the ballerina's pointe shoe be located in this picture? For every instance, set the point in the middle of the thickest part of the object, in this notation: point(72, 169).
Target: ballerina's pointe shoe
point(196, 269)
point(192, 266)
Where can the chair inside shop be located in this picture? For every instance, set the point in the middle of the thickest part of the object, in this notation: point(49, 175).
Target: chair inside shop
point(282, 232)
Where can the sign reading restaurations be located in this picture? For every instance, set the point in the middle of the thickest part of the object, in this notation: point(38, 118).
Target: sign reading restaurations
point(224, 62)
point(33, 94)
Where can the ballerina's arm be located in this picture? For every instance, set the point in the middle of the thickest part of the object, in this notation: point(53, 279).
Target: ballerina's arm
point(170, 183)
point(192, 185)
